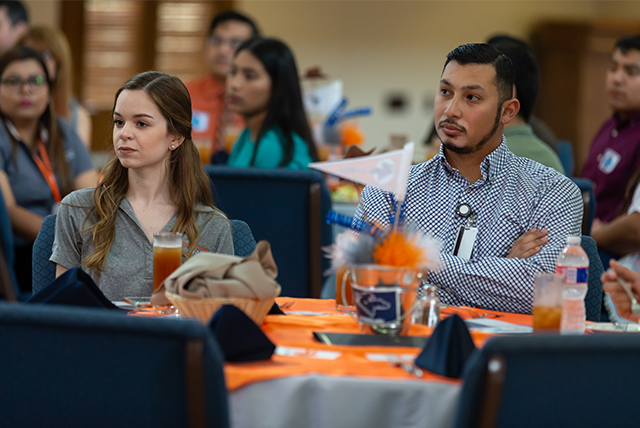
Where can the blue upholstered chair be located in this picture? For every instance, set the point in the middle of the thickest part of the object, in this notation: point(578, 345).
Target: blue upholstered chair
point(44, 271)
point(593, 299)
point(286, 208)
point(589, 201)
point(76, 367)
point(552, 381)
point(565, 153)
point(9, 287)
point(243, 242)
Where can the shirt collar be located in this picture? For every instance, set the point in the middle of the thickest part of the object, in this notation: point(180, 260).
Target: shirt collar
point(633, 119)
point(524, 129)
point(490, 166)
point(125, 206)
point(44, 134)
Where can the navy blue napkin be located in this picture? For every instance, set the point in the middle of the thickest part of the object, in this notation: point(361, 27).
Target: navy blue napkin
point(239, 337)
point(74, 287)
point(448, 348)
point(275, 310)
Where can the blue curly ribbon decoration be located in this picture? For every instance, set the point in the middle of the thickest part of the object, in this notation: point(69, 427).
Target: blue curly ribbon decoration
point(392, 214)
point(343, 220)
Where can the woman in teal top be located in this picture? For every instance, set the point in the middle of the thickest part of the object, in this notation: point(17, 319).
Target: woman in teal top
point(263, 87)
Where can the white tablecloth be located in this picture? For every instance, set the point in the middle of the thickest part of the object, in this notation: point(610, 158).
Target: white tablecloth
point(320, 401)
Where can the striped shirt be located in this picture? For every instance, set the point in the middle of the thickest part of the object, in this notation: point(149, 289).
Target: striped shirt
point(513, 196)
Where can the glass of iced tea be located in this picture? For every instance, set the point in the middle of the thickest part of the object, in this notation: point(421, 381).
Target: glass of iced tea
point(343, 277)
point(167, 256)
point(547, 302)
point(204, 149)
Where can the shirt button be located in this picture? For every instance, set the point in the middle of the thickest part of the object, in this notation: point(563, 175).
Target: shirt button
point(468, 189)
point(448, 290)
point(479, 301)
point(614, 133)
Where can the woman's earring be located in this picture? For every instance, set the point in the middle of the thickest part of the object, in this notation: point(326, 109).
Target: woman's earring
point(173, 146)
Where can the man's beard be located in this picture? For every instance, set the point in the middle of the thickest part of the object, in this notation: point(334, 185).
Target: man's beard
point(472, 149)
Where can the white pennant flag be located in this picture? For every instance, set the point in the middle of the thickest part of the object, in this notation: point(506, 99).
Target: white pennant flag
point(388, 171)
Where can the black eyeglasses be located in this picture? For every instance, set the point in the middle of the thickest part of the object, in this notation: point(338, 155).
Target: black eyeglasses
point(15, 84)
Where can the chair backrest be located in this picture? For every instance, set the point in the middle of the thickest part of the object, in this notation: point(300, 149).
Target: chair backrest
point(42, 270)
point(286, 208)
point(243, 241)
point(589, 202)
point(593, 299)
point(75, 367)
point(565, 153)
point(9, 288)
point(552, 381)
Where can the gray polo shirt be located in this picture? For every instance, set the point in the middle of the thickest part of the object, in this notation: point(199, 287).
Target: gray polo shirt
point(27, 183)
point(128, 270)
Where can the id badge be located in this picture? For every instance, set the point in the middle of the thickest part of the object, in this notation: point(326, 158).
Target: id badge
point(609, 160)
point(200, 121)
point(464, 242)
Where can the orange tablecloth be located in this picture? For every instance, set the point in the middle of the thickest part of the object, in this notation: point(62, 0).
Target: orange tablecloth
point(296, 331)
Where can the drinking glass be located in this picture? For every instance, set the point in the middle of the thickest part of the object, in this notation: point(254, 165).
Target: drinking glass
point(204, 149)
point(343, 279)
point(384, 297)
point(547, 302)
point(167, 256)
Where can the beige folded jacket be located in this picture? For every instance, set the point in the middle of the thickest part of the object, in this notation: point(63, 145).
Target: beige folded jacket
point(207, 275)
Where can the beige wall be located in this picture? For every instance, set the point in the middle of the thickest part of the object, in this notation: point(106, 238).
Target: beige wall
point(383, 47)
point(43, 12)
point(378, 47)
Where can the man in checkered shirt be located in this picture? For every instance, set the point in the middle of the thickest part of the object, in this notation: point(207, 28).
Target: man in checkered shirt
point(524, 210)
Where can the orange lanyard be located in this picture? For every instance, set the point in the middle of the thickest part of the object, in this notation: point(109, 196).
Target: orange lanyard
point(47, 171)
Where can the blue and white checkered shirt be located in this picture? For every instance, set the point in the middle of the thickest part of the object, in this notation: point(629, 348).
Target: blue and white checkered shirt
point(513, 196)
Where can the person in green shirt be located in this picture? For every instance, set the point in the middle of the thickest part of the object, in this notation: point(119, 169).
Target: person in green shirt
point(263, 87)
point(521, 139)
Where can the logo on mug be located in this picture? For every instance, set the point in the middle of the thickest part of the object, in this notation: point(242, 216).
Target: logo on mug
point(376, 307)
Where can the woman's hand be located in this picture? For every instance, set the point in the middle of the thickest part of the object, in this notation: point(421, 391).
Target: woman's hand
point(529, 244)
point(618, 295)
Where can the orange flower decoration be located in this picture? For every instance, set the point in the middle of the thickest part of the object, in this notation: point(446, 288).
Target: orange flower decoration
point(396, 250)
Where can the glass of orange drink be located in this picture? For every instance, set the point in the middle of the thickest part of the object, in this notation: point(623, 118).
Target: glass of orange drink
point(341, 281)
point(167, 256)
point(547, 302)
point(204, 149)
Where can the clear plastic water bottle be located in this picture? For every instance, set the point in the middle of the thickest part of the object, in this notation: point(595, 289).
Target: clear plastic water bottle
point(573, 265)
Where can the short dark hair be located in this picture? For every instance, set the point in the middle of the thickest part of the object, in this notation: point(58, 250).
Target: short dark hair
point(627, 43)
point(16, 11)
point(527, 79)
point(232, 15)
point(482, 53)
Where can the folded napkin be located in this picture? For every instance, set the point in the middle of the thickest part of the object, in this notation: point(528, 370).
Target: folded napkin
point(74, 287)
point(448, 348)
point(207, 275)
point(239, 337)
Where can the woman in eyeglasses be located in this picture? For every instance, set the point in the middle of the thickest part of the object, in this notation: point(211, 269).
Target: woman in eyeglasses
point(41, 157)
point(52, 44)
point(263, 87)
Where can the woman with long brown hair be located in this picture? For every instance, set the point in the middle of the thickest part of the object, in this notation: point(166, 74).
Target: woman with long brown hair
point(154, 183)
point(41, 157)
point(52, 44)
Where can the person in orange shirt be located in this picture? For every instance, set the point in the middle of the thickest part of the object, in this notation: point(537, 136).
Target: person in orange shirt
point(210, 116)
